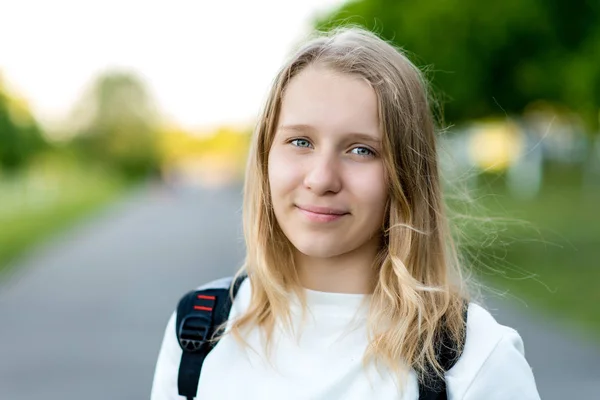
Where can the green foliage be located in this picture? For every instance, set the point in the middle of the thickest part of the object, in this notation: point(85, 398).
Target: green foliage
point(492, 58)
point(20, 136)
point(118, 125)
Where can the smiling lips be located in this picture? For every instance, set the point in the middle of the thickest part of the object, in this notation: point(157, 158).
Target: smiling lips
point(322, 214)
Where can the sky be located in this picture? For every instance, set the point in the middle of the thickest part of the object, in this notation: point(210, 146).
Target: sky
point(206, 63)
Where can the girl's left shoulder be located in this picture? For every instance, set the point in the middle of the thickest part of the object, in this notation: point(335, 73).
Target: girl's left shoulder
point(492, 365)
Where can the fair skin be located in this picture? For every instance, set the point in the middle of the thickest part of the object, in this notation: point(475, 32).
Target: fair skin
point(327, 179)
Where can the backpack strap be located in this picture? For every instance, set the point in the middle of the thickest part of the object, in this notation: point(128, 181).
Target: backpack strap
point(199, 314)
point(448, 352)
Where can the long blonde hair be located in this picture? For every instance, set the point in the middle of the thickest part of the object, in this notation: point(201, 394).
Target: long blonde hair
point(418, 293)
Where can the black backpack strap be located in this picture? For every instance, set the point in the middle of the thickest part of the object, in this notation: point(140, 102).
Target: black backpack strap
point(447, 353)
point(199, 314)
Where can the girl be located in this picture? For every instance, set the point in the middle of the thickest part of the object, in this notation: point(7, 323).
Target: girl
point(353, 285)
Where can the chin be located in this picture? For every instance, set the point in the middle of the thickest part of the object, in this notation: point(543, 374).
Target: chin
point(312, 247)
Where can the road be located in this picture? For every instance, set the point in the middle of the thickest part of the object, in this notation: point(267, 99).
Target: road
point(84, 315)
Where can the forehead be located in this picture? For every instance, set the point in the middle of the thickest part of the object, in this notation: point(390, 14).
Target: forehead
point(330, 101)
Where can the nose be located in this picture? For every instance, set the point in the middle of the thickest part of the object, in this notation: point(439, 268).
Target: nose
point(323, 174)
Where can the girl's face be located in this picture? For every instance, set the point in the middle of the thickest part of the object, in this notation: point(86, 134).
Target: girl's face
point(326, 174)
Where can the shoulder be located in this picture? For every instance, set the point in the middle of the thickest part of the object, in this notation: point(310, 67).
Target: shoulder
point(225, 283)
point(493, 364)
point(167, 365)
point(217, 284)
point(222, 283)
point(242, 298)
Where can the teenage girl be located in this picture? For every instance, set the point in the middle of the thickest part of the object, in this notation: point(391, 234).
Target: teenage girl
point(352, 276)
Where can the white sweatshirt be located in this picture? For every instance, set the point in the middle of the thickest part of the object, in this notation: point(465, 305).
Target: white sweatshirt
point(325, 361)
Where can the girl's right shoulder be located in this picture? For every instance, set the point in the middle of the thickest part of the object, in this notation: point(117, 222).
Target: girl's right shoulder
point(222, 283)
point(242, 292)
point(164, 385)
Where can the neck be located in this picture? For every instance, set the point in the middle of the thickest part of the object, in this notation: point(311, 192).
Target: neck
point(352, 272)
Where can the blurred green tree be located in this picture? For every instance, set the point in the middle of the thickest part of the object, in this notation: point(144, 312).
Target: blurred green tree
point(117, 125)
point(20, 136)
point(490, 58)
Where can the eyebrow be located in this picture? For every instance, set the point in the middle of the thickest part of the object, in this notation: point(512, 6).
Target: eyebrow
point(303, 128)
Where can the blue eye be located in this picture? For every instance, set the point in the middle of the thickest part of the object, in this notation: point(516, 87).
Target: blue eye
point(363, 151)
point(300, 143)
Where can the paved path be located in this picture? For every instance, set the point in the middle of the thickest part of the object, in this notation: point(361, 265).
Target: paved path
point(84, 316)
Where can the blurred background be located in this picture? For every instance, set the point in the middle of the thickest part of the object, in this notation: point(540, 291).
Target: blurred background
point(124, 127)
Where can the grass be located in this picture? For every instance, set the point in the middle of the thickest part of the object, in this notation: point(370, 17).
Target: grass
point(549, 254)
point(45, 200)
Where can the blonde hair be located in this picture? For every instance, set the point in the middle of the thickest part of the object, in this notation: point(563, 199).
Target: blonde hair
point(418, 293)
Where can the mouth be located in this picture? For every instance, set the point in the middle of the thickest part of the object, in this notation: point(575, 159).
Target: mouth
point(323, 210)
point(322, 214)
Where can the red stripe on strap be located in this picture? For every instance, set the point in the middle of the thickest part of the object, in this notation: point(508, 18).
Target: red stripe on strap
point(201, 296)
point(202, 308)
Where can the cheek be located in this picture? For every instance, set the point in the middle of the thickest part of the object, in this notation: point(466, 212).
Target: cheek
point(372, 188)
point(283, 175)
